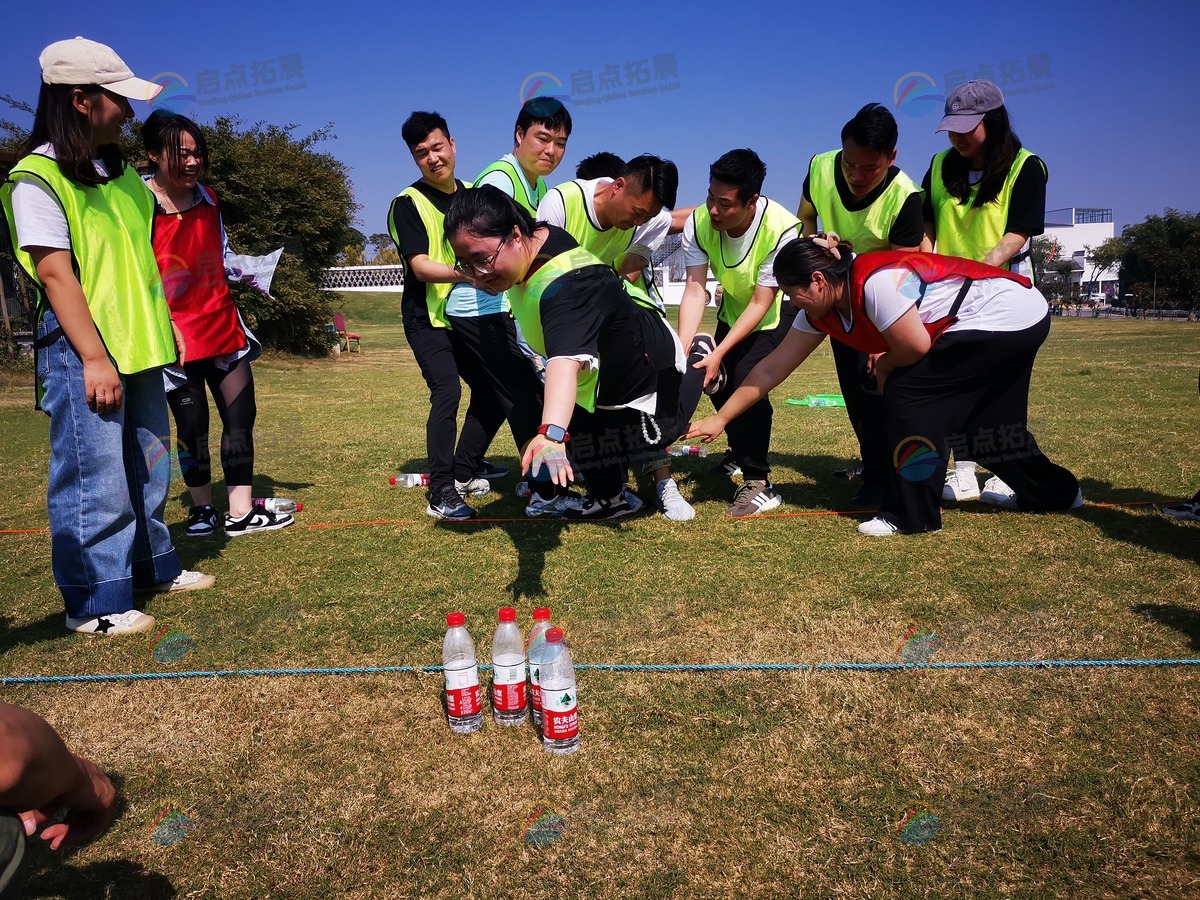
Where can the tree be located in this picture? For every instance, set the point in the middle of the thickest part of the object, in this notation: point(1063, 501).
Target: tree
point(1042, 251)
point(1104, 257)
point(386, 256)
point(1164, 252)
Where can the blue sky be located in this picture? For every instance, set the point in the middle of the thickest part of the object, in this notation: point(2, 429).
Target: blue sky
point(1106, 94)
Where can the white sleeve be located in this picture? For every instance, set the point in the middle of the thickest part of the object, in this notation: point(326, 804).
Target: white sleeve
point(552, 209)
point(693, 255)
point(766, 272)
point(649, 237)
point(500, 179)
point(801, 323)
point(882, 301)
point(39, 220)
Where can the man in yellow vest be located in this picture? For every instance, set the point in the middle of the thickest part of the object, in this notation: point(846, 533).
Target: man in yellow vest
point(737, 233)
point(859, 194)
point(539, 141)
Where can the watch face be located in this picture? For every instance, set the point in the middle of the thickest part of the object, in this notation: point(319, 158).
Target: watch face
point(555, 433)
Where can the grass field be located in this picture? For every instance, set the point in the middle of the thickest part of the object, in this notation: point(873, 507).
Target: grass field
point(1008, 783)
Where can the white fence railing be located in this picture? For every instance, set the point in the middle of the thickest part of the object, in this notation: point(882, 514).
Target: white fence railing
point(364, 278)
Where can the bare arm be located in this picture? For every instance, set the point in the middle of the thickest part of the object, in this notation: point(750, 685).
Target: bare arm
point(761, 301)
point(102, 384)
point(807, 214)
point(562, 382)
point(794, 349)
point(679, 218)
point(630, 266)
point(38, 774)
point(1008, 247)
point(691, 305)
point(430, 272)
point(908, 341)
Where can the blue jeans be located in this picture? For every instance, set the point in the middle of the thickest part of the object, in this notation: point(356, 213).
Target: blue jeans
point(109, 476)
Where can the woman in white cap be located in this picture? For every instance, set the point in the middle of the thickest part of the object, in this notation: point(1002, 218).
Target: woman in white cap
point(80, 221)
point(985, 199)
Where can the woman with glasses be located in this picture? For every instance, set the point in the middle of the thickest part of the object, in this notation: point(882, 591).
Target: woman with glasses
point(189, 244)
point(615, 387)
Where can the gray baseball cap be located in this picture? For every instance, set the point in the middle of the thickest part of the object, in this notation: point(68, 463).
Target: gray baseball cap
point(967, 103)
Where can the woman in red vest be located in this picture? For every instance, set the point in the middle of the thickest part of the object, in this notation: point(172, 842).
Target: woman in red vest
point(190, 245)
point(952, 344)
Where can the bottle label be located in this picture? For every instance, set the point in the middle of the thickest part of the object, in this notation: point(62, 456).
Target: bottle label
point(462, 691)
point(560, 716)
point(508, 688)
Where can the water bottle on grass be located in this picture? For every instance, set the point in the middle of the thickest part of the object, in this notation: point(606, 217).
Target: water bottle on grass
point(463, 709)
point(537, 642)
point(560, 713)
point(412, 479)
point(508, 671)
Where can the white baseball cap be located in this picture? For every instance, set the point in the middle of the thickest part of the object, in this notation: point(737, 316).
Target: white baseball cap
point(80, 62)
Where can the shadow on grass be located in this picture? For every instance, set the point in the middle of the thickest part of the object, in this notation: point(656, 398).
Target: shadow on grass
point(820, 489)
point(109, 878)
point(48, 629)
point(532, 543)
point(1183, 619)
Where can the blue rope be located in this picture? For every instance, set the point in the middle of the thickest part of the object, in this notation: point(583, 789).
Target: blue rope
point(626, 667)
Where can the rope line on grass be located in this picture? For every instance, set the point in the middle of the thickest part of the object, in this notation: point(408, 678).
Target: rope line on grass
point(544, 520)
point(625, 667)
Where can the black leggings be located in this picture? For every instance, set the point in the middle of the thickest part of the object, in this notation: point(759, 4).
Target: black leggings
point(233, 391)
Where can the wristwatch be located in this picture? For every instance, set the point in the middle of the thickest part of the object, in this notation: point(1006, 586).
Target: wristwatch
point(555, 433)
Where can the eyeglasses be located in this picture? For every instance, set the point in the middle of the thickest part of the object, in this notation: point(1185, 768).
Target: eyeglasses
point(483, 267)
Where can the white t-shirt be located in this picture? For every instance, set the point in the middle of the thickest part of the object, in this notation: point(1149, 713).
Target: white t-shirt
point(646, 238)
point(736, 247)
point(39, 220)
point(991, 304)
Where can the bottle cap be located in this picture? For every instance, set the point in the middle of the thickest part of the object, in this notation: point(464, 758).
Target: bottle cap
point(392, 480)
point(541, 614)
point(455, 619)
point(507, 614)
point(554, 636)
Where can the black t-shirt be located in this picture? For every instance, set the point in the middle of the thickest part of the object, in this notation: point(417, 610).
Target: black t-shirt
point(587, 313)
point(909, 227)
point(1027, 206)
point(414, 241)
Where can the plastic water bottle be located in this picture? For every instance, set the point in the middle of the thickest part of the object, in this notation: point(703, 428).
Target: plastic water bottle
point(463, 709)
point(688, 450)
point(277, 504)
point(508, 671)
point(560, 713)
point(537, 643)
point(412, 479)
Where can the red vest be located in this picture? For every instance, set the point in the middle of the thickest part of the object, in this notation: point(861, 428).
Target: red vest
point(929, 267)
point(187, 246)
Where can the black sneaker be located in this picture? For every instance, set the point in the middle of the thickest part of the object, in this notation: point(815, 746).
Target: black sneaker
point(596, 510)
point(449, 505)
point(490, 470)
point(202, 521)
point(704, 345)
point(870, 494)
point(258, 518)
point(728, 465)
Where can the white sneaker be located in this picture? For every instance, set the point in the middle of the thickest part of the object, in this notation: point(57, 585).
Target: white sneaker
point(131, 622)
point(997, 493)
point(556, 506)
point(1078, 501)
point(671, 502)
point(187, 580)
point(960, 486)
point(879, 527)
point(476, 487)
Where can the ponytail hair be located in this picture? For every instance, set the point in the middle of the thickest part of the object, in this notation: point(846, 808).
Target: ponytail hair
point(798, 260)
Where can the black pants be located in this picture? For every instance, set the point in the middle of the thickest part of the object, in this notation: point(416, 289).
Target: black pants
point(969, 392)
point(233, 392)
point(605, 443)
point(503, 386)
point(435, 357)
point(750, 433)
point(866, 412)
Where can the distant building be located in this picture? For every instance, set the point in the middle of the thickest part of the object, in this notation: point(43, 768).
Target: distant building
point(1074, 228)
